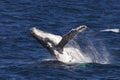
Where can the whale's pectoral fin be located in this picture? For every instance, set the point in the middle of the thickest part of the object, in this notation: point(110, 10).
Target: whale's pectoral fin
point(70, 35)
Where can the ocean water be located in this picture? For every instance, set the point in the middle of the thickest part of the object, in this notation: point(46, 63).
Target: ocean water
point(23, 58)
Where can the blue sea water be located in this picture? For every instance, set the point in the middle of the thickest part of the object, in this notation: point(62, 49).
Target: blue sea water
point(23, 58)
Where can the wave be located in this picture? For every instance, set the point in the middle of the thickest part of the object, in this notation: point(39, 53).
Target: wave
point(116, 30)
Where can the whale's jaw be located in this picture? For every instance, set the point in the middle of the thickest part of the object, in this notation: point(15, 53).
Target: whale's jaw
point(44, 36)
point(57, 44)
point(47, 40)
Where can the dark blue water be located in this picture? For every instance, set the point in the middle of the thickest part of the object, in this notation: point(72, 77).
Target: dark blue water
point(23, 58)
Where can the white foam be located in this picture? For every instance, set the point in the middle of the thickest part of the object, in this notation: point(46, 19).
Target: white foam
point(111, 30)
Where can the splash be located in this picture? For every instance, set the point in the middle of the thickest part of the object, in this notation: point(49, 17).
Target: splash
point(89, 51)
point(75, 51)
point(111, 30)
point(97, 52)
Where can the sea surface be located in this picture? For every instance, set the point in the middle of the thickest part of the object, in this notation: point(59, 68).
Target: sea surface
point(23, 58)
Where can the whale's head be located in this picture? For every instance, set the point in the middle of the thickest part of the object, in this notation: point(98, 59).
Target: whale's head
point(36, 32)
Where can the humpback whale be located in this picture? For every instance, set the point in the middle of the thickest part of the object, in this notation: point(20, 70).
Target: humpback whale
point(60, 47)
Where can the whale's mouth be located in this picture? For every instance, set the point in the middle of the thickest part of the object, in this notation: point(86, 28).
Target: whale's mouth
point(34, 31)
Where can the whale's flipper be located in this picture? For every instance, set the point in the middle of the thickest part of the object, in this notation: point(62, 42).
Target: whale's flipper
point(70, 35)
